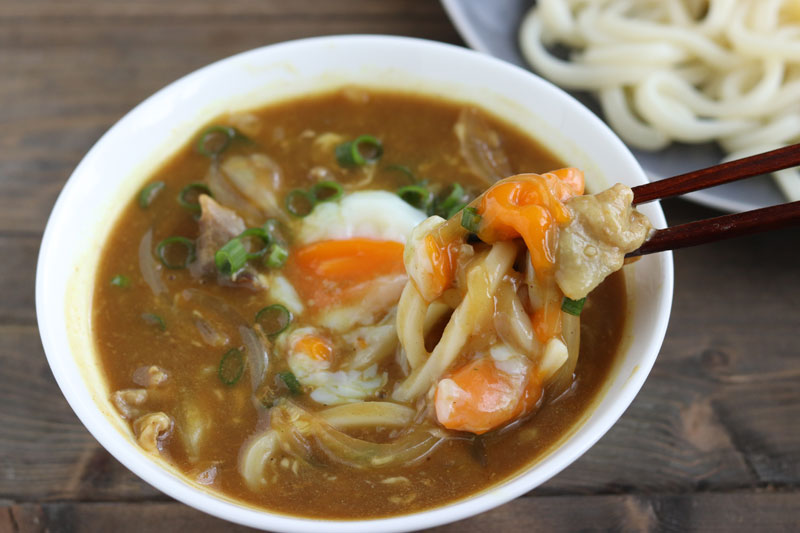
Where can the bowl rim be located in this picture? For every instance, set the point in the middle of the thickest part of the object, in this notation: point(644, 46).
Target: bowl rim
point(219, 505)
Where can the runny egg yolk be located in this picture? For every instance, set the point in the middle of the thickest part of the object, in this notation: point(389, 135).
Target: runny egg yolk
point(315, 347)
point(530, 208)
point(351, 260)
point(479, 396)
point(328, 269)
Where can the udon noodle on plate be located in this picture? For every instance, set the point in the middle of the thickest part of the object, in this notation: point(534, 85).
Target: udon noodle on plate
point(680, 70)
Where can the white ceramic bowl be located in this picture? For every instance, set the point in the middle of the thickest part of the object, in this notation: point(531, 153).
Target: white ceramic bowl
point(115, 167)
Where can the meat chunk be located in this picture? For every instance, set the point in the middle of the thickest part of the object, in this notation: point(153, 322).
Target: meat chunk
point(604, 227)
point(149, 377)
point(129, 402)
point(218, 225)
point(151, 429)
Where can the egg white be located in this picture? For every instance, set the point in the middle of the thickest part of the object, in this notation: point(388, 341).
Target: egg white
point(378, 215)
point(328, 387)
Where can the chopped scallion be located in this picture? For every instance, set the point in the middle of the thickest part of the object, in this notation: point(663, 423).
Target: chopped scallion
point(231, 367)
point(364, 149)
point(299, 203)
point(274, 319)
point(470, 219)
point(415, 195)
point(215, 140)
point(149, 193)
point(291, 382)
point(231, 258)
point(277, 256)
point(186, 201)
point(154, 320)
point(402, 169)
point(573, 307)
point(121, 280)
point(453, 202)
point(163, 248)
point(266, 239)
point(326, 191)
point(273, 228)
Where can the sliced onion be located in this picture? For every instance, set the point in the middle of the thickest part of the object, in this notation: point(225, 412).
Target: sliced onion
point(294, 431)
point(296, 424)
point(571, 330)
point(210, 335)
point(226, 195)
point(367, 414)
point(481, 146)
point(257, 357)
point(148, 266)
point(256, 178)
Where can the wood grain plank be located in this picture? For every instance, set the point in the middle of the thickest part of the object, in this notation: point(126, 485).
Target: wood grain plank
point(17, 279)
point(774, 512)
point(73, 69)
point(45, 452)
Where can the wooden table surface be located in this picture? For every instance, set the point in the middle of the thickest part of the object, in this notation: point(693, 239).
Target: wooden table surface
point(711, 443)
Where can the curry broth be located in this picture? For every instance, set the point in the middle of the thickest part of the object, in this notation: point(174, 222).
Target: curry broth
point(416, 132)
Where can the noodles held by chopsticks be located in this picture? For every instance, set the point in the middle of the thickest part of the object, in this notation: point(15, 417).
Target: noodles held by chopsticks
point(680, 70)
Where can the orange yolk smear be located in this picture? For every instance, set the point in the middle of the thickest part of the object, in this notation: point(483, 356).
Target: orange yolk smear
point(315, 347)
point(442, 259)
point(484, 397)
point(323, 271)
point(533, 208)
point(530, 208)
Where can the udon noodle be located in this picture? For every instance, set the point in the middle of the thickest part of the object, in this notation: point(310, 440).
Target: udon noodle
point(680, 70)
point(508, 336)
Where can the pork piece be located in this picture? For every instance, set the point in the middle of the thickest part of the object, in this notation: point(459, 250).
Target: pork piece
point(151, 429)
point(604, 227)
point(218, 225)
point(129, 402)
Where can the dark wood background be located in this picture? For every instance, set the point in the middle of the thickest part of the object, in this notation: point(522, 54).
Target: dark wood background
point(711, 443)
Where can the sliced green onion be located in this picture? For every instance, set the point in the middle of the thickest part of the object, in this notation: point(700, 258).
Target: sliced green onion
point(231, 258)
point(261, 234)
point(231, 366)
point(149, 193)
point(161, 251)
point(215, 140)
point(326, 191)
point(299, 203)
point(291, 382)
point(121, 280)
point(364, 149)
point(470, 219)
point(200, 188)
point(273, 228)
point(154, 320)
point(573, 307)
point(415, 195)
point(277, 256)
point(453, 202)
point(274, 319)
point(402, 169)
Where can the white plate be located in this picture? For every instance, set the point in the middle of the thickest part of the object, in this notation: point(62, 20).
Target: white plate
point(492, 26)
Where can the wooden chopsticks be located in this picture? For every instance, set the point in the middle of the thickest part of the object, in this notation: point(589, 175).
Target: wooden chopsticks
point(727, 226)
point(788, 156)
